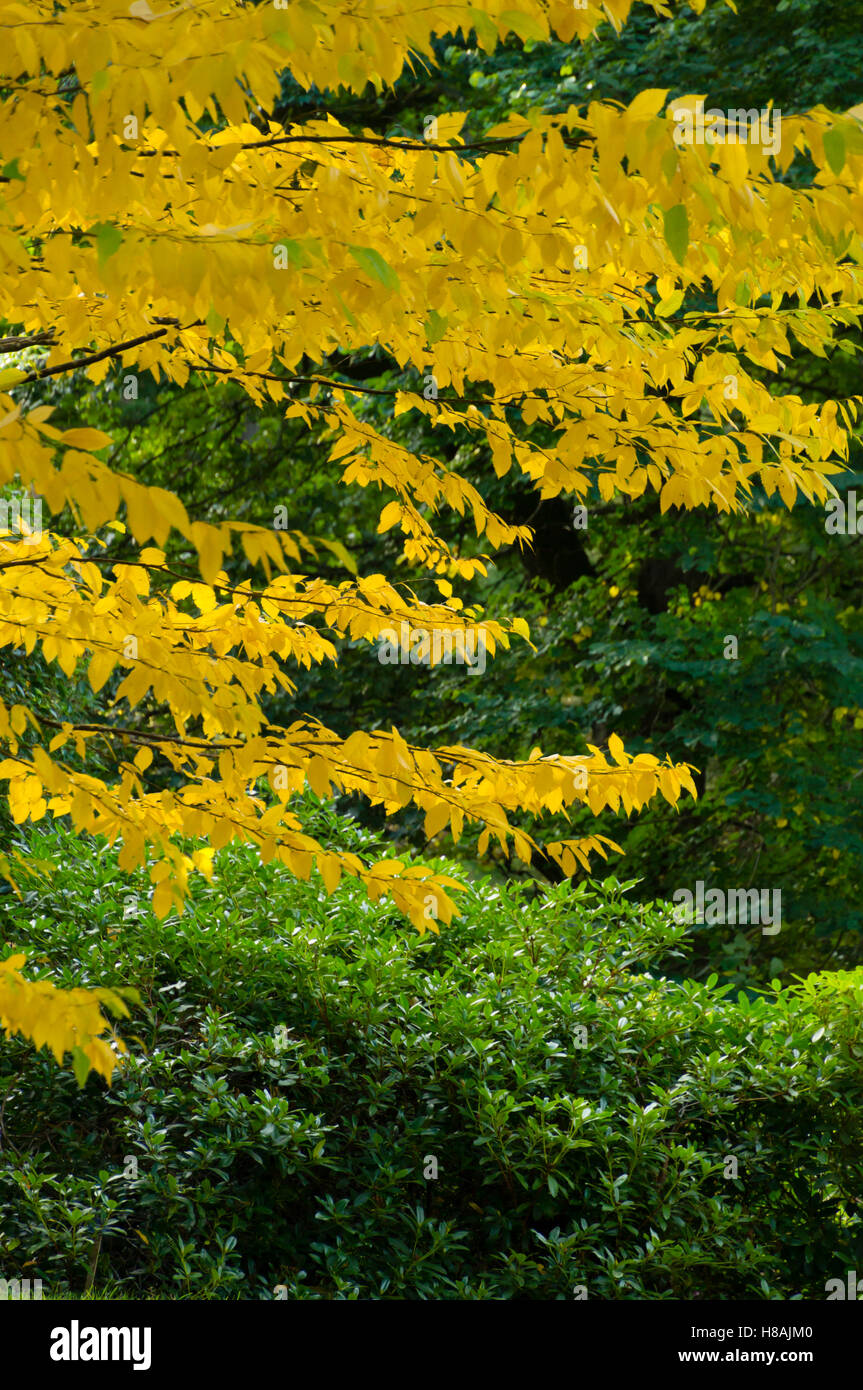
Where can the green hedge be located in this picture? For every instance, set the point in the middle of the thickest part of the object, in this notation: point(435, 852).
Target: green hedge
point(300, 1060)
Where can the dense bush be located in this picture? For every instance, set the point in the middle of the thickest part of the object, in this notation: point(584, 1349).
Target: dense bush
point(300, 1060)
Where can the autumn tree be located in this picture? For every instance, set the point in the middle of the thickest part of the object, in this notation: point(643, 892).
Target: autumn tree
point(591, 271)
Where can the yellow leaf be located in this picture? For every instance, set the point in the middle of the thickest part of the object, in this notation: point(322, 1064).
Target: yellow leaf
point(101, 665)
point(615, 748)
point(86, 439)
point(435, 819)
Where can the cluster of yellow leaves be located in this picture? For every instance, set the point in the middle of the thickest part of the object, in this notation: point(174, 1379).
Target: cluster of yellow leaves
point(210, 669)
point(551, 278)
point(67, 1020)
point(540, 276)
point(133, 57)
point(452, 785)
point(212, 659)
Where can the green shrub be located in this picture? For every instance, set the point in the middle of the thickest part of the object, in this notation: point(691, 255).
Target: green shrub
point(300, 1061)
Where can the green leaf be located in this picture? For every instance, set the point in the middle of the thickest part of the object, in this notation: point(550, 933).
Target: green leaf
point(670, 305)
point(669, 163)
point(345, 310)
point(526, 26)
point(214, 321)
point(486, 29)
point(436, 326)
point(676, 221)
point(296, 254)
point(128, 992)
point(834, 148)
point(108, 240)
point(11, 170)
point(374, 264)
point(80, 1065)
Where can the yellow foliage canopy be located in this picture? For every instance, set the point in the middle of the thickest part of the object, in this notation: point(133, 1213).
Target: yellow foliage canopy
point(540, 276)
